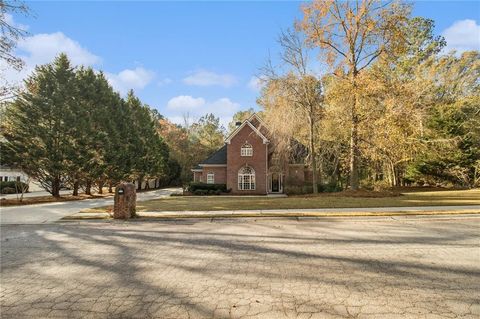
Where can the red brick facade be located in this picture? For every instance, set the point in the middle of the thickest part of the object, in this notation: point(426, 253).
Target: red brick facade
point(258, 161)
point(228, 162)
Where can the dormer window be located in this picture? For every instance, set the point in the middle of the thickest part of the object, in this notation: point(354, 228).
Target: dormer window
point(247, 150)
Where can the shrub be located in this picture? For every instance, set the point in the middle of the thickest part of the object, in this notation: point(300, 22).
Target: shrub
point(8, 190)
point(206, 187)
point(212, 191)
point(13, 184)
point(218, 192)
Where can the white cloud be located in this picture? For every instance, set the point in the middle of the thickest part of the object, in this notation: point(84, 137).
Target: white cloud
point(255, 83)
point(185, 103)
point(128, 79)
point(207, 78)
point(181, 105)
point(462, 35)
point(43, 48)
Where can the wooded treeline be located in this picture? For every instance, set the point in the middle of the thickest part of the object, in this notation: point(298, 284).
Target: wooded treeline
point(388, 107)
point(69, 128)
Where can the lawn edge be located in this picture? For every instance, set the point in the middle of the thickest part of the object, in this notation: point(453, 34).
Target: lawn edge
point(153, 216)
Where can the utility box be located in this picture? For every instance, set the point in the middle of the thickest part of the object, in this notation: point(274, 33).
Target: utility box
point(125, 201)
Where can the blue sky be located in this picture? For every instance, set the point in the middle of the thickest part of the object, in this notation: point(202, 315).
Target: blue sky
point(190, 57)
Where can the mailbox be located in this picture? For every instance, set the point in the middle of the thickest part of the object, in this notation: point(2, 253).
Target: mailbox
point(124, 201)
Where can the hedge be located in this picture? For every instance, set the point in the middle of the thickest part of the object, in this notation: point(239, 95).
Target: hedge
point(8, 186)
point(207, 187)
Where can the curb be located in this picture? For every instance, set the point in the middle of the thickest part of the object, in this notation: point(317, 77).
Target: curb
point(160, 216)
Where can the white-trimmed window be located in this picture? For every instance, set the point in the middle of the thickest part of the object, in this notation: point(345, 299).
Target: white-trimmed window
point(247, 150)
point(246, 178)
point(210, 178)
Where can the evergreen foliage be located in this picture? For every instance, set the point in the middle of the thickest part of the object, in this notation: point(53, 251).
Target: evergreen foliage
point(69, 128)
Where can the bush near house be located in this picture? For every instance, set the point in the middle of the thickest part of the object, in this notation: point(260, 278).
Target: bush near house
point(10, 187)
point(207, 189)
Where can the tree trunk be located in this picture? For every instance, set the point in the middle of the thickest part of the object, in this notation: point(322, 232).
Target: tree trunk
point(314, 157)
point(56, 187)
point(88, 188)
point(354, 156)
point(140, 181)
point(110, 188)
point(100, 187)
point(76, 186)
point(354, 150)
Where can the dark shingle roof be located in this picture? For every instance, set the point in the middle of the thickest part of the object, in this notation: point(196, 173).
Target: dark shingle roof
point(219, 157)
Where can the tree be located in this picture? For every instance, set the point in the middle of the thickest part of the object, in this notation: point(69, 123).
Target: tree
point(452, 128)
point(351, 35)
point(295, 97)
point(180, 146)
point(11, 33)
point(239, 116)
point(395, 96)
point(148, 151)
point(38, 125)
point(209, 133)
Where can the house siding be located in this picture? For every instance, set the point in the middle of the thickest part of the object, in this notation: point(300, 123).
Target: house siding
point(258, 161)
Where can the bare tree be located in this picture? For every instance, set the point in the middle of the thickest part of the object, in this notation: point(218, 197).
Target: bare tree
point(11, 33)
point(295, 94)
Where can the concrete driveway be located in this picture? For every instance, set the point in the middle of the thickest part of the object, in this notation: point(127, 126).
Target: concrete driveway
point(44, 213)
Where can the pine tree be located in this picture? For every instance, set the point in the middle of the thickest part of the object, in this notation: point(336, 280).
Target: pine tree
point(38, 128)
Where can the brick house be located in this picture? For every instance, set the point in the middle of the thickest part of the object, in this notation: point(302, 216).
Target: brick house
point(248, 163)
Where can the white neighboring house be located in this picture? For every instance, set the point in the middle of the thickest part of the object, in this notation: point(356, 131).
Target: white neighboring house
point(14, 174)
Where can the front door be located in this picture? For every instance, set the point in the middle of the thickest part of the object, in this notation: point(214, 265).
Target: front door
point(275, 183)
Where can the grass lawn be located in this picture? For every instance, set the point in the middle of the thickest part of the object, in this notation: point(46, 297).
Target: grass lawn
point(338, 200)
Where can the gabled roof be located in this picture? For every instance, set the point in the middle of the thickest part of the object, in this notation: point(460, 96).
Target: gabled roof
point(258, 118)
point(247, 122)
point(217, 158)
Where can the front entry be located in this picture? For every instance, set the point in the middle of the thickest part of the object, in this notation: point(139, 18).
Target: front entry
point(276, 183)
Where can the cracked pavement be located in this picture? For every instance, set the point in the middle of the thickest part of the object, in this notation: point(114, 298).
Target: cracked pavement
point(243, 268)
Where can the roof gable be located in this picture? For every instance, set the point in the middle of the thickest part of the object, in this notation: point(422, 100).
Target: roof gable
point(238, 129)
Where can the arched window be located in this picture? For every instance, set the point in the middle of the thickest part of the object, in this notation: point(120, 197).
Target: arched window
point(246, 178)
point(247, 150)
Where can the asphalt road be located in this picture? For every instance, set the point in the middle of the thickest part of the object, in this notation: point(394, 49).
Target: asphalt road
point(408, 267)
point(45, 213)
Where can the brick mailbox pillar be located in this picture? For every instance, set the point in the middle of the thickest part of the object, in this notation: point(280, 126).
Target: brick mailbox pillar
point(124, 205)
